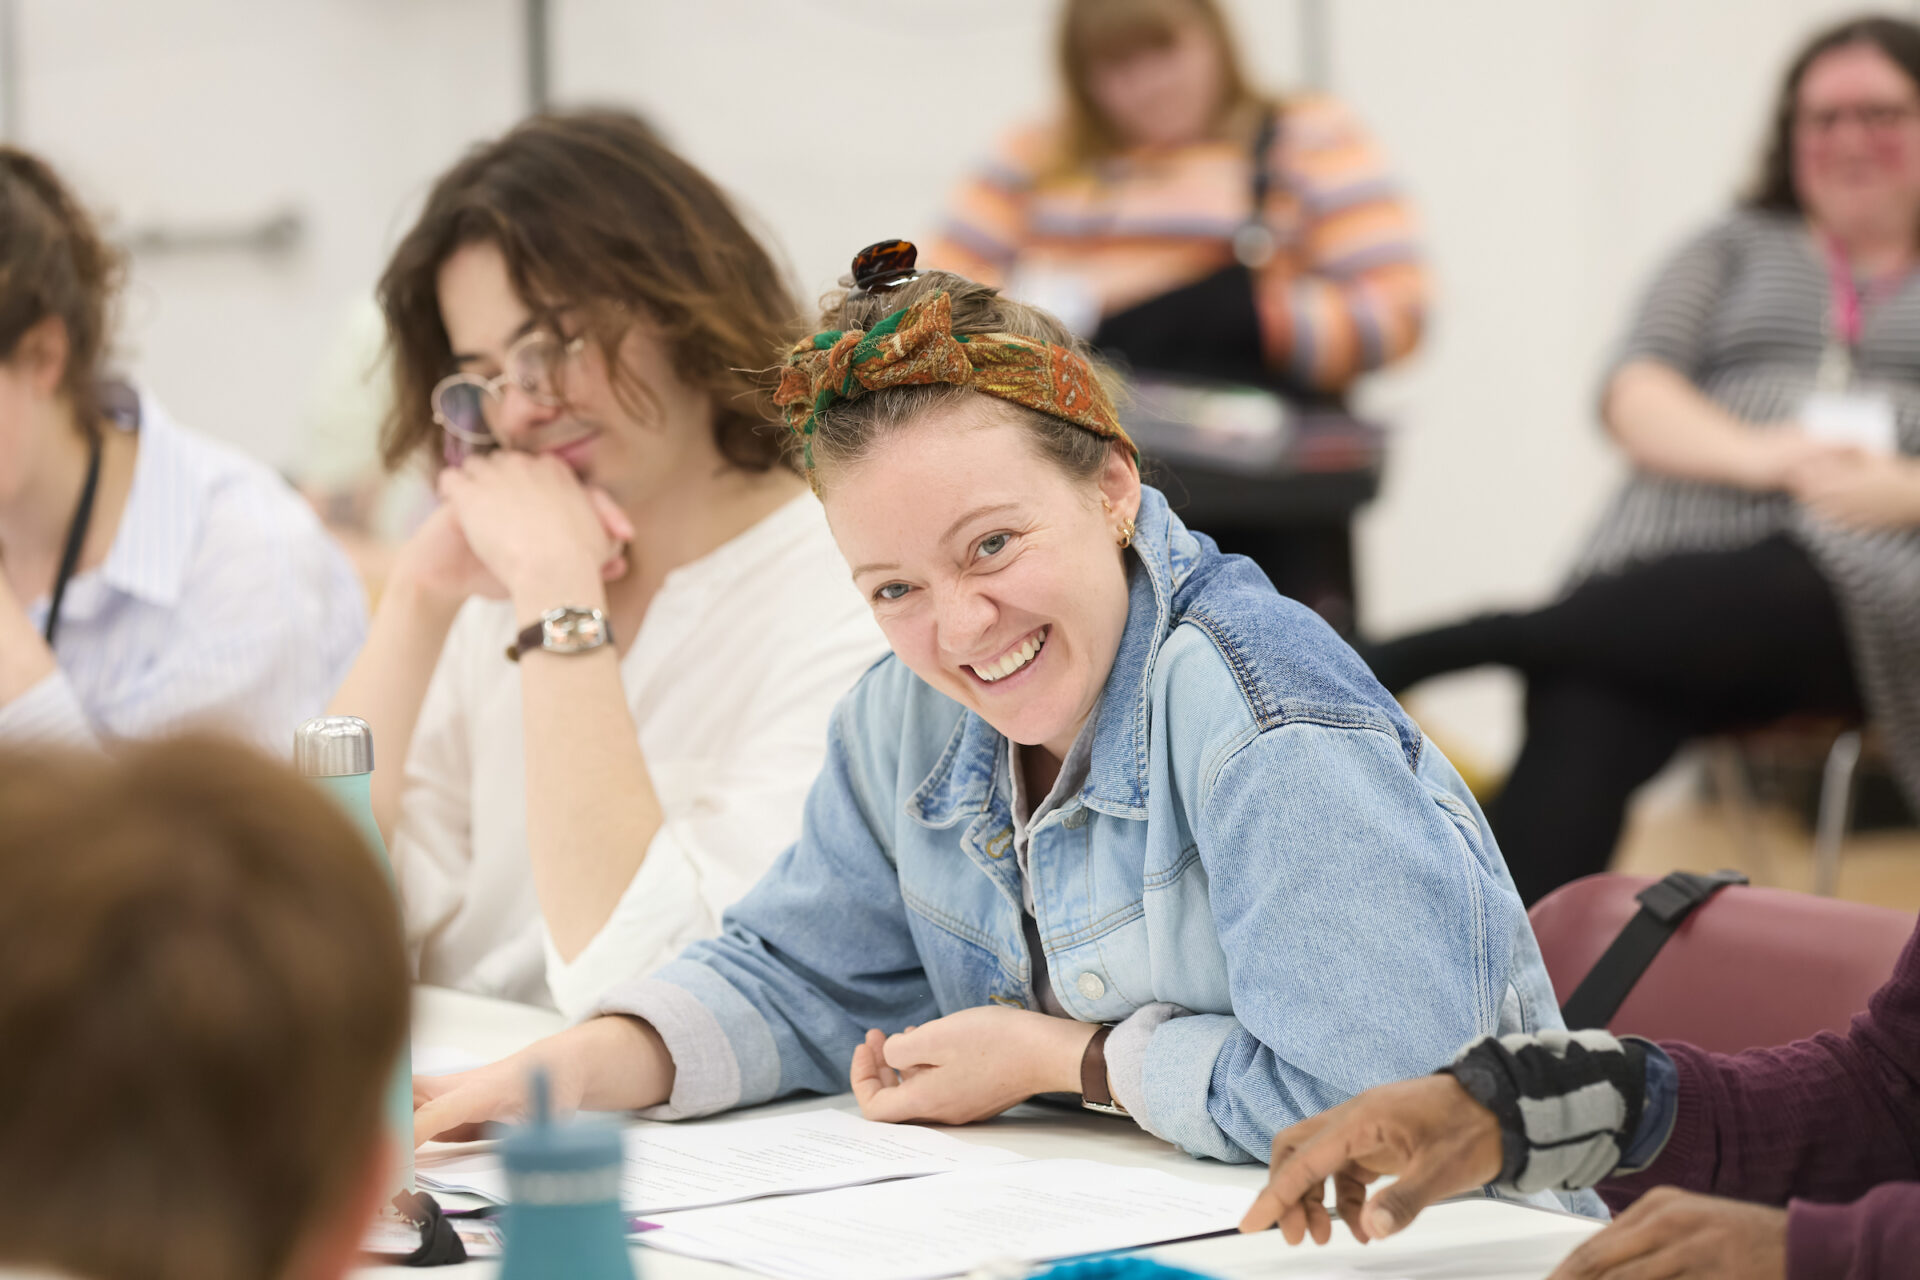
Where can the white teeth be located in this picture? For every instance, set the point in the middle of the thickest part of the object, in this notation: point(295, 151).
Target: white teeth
point(1014, 659)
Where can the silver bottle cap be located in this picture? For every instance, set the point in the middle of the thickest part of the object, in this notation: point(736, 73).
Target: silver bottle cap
point(332, 746)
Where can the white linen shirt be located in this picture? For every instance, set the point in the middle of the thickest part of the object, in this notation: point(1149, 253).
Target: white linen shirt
point(731, 681)
point(222, 604)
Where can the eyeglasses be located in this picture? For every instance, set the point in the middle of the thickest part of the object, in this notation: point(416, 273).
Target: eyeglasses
point(1878, 118)
point(885, 265)
point(467, 406)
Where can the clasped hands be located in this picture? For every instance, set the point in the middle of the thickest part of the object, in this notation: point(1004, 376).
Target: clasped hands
point(1841, 484)
point(518, 526)
point(967, 1066)
point(1436, 1141)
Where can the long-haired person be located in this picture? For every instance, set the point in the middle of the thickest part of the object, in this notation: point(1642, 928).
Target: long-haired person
point(150, 579)
point(1191, 224)
point(601, 671)
point(1116, 819)
point(1764, 558)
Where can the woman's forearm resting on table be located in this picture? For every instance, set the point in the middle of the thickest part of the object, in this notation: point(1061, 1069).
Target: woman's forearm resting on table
point(604, 1064)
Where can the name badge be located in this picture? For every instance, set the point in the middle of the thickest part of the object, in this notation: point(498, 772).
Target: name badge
point(1863, 419)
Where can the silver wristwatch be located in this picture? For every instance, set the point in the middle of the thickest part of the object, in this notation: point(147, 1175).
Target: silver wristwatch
point(568, 629)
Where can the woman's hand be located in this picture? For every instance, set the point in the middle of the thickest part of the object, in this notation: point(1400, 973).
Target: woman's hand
point(1772, 459)
point(1685, 1235)
point(437, 560)
point(458, 1108)
point(604, 1064)
point(968, 1066)
point(1861, 490)
point(1429, 1131)
point(534, 527)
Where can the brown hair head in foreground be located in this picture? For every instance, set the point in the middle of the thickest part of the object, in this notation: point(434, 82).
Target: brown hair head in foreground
point(202, 992)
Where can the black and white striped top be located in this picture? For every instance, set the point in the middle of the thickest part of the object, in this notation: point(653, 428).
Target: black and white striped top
point(1742, 311)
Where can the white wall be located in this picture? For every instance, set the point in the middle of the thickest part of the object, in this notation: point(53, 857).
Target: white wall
point(203, 114)
point(1555, 149)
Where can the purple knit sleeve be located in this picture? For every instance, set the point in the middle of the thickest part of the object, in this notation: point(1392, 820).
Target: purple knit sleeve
point(1827, 1119)
point(1877, 1237)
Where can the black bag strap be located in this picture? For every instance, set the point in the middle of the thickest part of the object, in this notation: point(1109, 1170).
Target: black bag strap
point(1663, 905)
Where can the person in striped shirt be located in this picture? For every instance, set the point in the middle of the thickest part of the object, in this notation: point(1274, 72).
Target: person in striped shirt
point(1190, 226)
point(1182, 220)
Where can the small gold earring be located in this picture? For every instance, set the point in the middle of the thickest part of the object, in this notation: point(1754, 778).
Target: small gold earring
point(1126, 534)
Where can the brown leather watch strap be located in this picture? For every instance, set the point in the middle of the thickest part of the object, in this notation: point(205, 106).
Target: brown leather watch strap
point(528, 640)
point(1094, 1093)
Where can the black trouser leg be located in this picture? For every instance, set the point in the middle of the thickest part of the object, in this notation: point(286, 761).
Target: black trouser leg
point(1588, 747)
point(1625, 669)
point(1755, 631)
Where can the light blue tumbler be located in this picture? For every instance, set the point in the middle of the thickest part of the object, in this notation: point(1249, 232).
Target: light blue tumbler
point(563, 1199)
point(337, 753)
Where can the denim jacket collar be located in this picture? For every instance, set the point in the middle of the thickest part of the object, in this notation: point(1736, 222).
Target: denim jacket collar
point(962, 780)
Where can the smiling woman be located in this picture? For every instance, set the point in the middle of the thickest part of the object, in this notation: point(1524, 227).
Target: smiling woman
point(1117, 820)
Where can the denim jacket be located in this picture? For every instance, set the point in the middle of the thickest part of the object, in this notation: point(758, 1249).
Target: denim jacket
point(1264, 840)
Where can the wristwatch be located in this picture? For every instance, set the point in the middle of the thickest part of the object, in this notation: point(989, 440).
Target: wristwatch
point(568, 629)
point(1095, 1095)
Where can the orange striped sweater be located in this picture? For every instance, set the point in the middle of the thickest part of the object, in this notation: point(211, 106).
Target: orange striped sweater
point(1345, 292)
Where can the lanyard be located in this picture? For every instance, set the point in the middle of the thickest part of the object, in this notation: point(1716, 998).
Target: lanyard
point(76, 538)
point(1846, 304)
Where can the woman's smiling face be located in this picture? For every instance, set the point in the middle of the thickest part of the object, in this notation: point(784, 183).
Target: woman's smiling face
point(996, 576)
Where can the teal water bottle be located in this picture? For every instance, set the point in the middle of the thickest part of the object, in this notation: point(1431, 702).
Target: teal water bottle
point(337, 753)
point(563, 1199)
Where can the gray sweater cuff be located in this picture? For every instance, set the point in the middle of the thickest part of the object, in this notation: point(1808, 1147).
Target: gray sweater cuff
point(1127, 1058)
point(706, 1075)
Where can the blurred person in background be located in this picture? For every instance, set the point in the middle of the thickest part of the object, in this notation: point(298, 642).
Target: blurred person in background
point(602, 669)
point(1764, 558)
point(149, 578)
point(1187, 224)
point(202, 991)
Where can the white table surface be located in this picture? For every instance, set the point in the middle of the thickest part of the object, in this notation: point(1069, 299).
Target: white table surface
point(1478, 1238)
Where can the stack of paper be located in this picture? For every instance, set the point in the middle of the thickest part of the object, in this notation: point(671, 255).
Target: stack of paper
point(686, 1167)
point(794, 1196)
point(1028, 1212)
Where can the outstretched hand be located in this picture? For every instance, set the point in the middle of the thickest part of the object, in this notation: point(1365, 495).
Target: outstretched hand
point(1430, 1132)
point(603, 1064)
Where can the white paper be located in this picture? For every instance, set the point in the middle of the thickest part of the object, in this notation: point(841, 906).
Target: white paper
point(684, 1167)
point(1028, 1212)
point(1863, 419)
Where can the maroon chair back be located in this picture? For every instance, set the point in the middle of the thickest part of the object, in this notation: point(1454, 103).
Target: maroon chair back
point(1750, 967)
